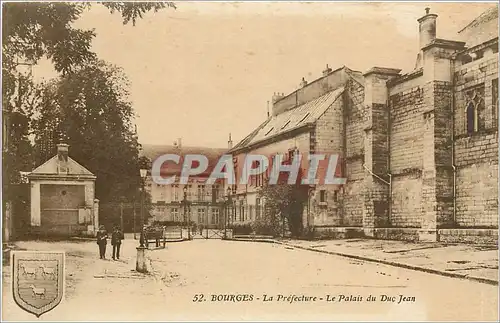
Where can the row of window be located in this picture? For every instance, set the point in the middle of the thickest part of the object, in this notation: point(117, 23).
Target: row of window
point(248, 212)
point(202, 193)
point(240, 212)
point(286, 124)
point(322, 196)
point(177, 216)
point(263, 176)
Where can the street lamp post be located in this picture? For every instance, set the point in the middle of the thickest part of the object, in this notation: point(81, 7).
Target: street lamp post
point(144, 173)
point(185, 205)
point(227, 203)
point(224, 213)
point(140, 264)
point(133, 215)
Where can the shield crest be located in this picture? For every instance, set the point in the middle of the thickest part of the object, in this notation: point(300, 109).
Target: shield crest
point(38, 280)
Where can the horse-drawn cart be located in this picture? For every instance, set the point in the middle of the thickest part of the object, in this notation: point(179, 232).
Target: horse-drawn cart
point(156, 235)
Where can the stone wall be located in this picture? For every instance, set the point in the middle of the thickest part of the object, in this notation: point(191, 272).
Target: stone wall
point(476, 155)
point(354, 114)
point(406, 201)
point(406, 153)
point(328, 138)
point(376, 199)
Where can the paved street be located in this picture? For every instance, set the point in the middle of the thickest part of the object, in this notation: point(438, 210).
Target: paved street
point(104, 290)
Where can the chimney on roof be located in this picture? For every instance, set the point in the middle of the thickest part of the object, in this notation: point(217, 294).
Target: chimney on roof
point(62, 158)
point(230, 142)
point(303, 82)
point(427, 28)
point(327, 70)
point(277, 96)
point(179, 142)
point(268, 109)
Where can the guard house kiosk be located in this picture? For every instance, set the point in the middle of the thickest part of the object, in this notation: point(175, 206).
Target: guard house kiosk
point(62, 198)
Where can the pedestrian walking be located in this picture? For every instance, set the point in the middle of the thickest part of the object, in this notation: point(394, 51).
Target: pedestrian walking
point(116, 241)
point(102, 240)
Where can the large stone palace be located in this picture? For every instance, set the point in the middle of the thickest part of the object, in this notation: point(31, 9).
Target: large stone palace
point(420, 150)
point(192, 203)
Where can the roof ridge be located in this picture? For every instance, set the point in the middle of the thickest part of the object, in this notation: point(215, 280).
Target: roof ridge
point(478, 18)
point(322, 96)
point(181, 147)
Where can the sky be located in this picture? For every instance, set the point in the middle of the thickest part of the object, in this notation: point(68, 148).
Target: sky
point(208, 69)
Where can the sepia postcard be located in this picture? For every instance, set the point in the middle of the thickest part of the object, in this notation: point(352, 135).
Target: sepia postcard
point(250, 161)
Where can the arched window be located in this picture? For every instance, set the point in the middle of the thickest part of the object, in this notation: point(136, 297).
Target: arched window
point(471, 118)
point(474, 114)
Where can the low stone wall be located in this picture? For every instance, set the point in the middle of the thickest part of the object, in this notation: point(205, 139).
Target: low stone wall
point(473, 236)
point(323, 233)
point(402, 234)
point(250, 237)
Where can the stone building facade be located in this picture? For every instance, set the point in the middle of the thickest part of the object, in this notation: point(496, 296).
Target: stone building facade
point(419, 150)
point(204, 205)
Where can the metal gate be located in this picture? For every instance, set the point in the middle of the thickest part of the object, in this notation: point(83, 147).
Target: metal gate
point(217, 232)
point(208, 234)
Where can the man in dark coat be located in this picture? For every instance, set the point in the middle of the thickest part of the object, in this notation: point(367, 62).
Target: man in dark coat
point(102, 237)
point(116, 241)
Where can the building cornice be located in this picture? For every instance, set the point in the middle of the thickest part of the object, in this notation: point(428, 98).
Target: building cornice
point(62, 177)
point(406, 77)
point(444, 43)
point(484, 45)
point(383, 71)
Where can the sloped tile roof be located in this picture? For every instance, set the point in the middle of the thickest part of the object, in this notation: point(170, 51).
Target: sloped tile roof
point(248, 138)
point(50, 168)
point(152, 152)
point(304, 114)
point(481, 29)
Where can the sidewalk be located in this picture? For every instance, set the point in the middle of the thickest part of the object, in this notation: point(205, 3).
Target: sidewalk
point(113, 288)
point(479, 263)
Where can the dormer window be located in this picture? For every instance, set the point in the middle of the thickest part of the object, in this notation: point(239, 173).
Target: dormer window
point(303, 118)
point(286, 124)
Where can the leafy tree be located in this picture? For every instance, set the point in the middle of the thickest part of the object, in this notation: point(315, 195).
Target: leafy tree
point(284, 205)
point(145, 162)
point(44, 29)
point(90, 108)
point(31, 31)
point(17, 102)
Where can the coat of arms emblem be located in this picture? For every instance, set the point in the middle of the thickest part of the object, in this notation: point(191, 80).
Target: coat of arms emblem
point(38, 280)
